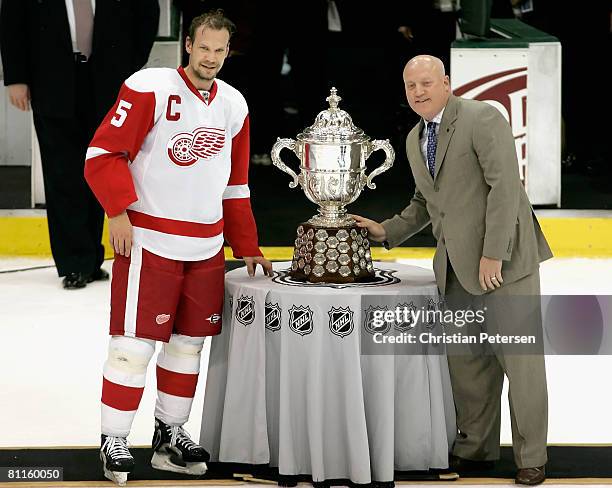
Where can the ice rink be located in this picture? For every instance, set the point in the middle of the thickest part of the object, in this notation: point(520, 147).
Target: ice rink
point(54, 344)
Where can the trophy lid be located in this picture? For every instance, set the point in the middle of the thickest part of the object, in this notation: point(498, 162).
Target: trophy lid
point(332, 125)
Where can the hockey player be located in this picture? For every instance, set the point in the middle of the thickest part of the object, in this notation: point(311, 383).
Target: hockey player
point(169, 164)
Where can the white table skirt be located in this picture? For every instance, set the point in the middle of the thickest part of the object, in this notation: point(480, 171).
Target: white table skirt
point(305, 399)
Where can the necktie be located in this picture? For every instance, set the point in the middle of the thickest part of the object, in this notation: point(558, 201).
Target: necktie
point(83, 17)
point(432, 144)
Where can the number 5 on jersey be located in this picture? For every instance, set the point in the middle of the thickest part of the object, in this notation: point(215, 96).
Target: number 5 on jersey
point(121, 113)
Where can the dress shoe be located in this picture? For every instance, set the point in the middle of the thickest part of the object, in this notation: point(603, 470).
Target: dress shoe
point(462, 465)
point(287, 480)
point(98, 275)
point(530, 476)
point(74, 281)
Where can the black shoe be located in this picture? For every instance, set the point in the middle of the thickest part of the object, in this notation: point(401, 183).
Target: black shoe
point(98, 275)
point(74, 281)
point(288, 481)
point(462, 465)
point(530, 476)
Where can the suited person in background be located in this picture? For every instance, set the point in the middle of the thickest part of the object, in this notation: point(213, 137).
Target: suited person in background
point(489, 246)
point(69, 58)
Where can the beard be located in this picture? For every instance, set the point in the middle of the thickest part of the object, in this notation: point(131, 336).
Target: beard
point(206, 74)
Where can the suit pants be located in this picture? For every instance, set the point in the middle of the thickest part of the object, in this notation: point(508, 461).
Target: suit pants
point(477, 375)
point(74, 216)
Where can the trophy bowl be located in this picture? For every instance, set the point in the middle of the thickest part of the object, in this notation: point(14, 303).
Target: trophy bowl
point(332, 154)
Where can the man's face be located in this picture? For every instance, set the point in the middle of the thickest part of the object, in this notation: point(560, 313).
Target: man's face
point(427, 89)
point(207, 52)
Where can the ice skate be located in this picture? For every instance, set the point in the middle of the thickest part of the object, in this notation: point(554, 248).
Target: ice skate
point(116, 459)
point(175, 451)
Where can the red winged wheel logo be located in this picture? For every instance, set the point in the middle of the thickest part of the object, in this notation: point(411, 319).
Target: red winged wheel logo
point(186, 148)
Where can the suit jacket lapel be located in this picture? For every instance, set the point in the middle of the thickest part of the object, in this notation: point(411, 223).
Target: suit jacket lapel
point(414, 148)
point(447, 128)
point(62, 18)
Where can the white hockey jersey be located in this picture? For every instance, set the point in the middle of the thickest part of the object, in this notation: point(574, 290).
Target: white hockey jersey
point(177, 160)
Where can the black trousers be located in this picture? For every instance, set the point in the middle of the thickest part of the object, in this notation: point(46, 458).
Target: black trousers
point(74, 216)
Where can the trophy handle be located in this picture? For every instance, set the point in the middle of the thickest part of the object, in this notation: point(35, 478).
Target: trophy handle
point(389, 151)
point(279, 145)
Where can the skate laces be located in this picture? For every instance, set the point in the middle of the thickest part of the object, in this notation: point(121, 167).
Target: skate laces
point(117, 447)
point(178, 436)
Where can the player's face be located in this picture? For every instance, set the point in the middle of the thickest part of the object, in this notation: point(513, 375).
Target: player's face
point(207, 52)
point(427, 89)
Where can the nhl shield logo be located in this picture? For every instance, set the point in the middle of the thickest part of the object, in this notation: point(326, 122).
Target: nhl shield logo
point(432, 307)
point(341, 321)
point(273, 316)
point(245, 310)
point(300, 320)
point(368, 321)
point(407, 321)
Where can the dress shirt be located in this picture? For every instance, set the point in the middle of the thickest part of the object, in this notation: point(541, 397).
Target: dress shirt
point(72, 22)
point(423, 140)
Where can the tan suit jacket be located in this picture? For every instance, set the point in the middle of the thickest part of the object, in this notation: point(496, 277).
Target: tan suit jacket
point(476, 202)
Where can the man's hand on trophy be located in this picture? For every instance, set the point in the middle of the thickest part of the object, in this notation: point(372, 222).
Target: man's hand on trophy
point(252, 262)
point(376, 231)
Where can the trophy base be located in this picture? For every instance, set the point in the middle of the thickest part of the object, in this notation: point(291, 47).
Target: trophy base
point(331, 254)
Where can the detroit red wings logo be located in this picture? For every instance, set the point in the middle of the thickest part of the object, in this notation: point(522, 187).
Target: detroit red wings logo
point(506, 90)
point(185, 148)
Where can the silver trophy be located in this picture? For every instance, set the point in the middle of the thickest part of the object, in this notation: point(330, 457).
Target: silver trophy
point(332, 153)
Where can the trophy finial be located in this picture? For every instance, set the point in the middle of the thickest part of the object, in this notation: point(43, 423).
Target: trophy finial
point(333, 99)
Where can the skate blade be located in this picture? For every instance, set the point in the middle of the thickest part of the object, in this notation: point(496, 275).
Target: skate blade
point(118, 477)
point(162, 461)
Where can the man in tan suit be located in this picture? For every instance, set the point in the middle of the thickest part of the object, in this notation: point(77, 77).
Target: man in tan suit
point(489, 246)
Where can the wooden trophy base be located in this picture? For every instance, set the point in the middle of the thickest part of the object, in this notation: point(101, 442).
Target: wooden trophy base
point(331, 255)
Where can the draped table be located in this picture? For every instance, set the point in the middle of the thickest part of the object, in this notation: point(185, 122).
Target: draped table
point(292, 381)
